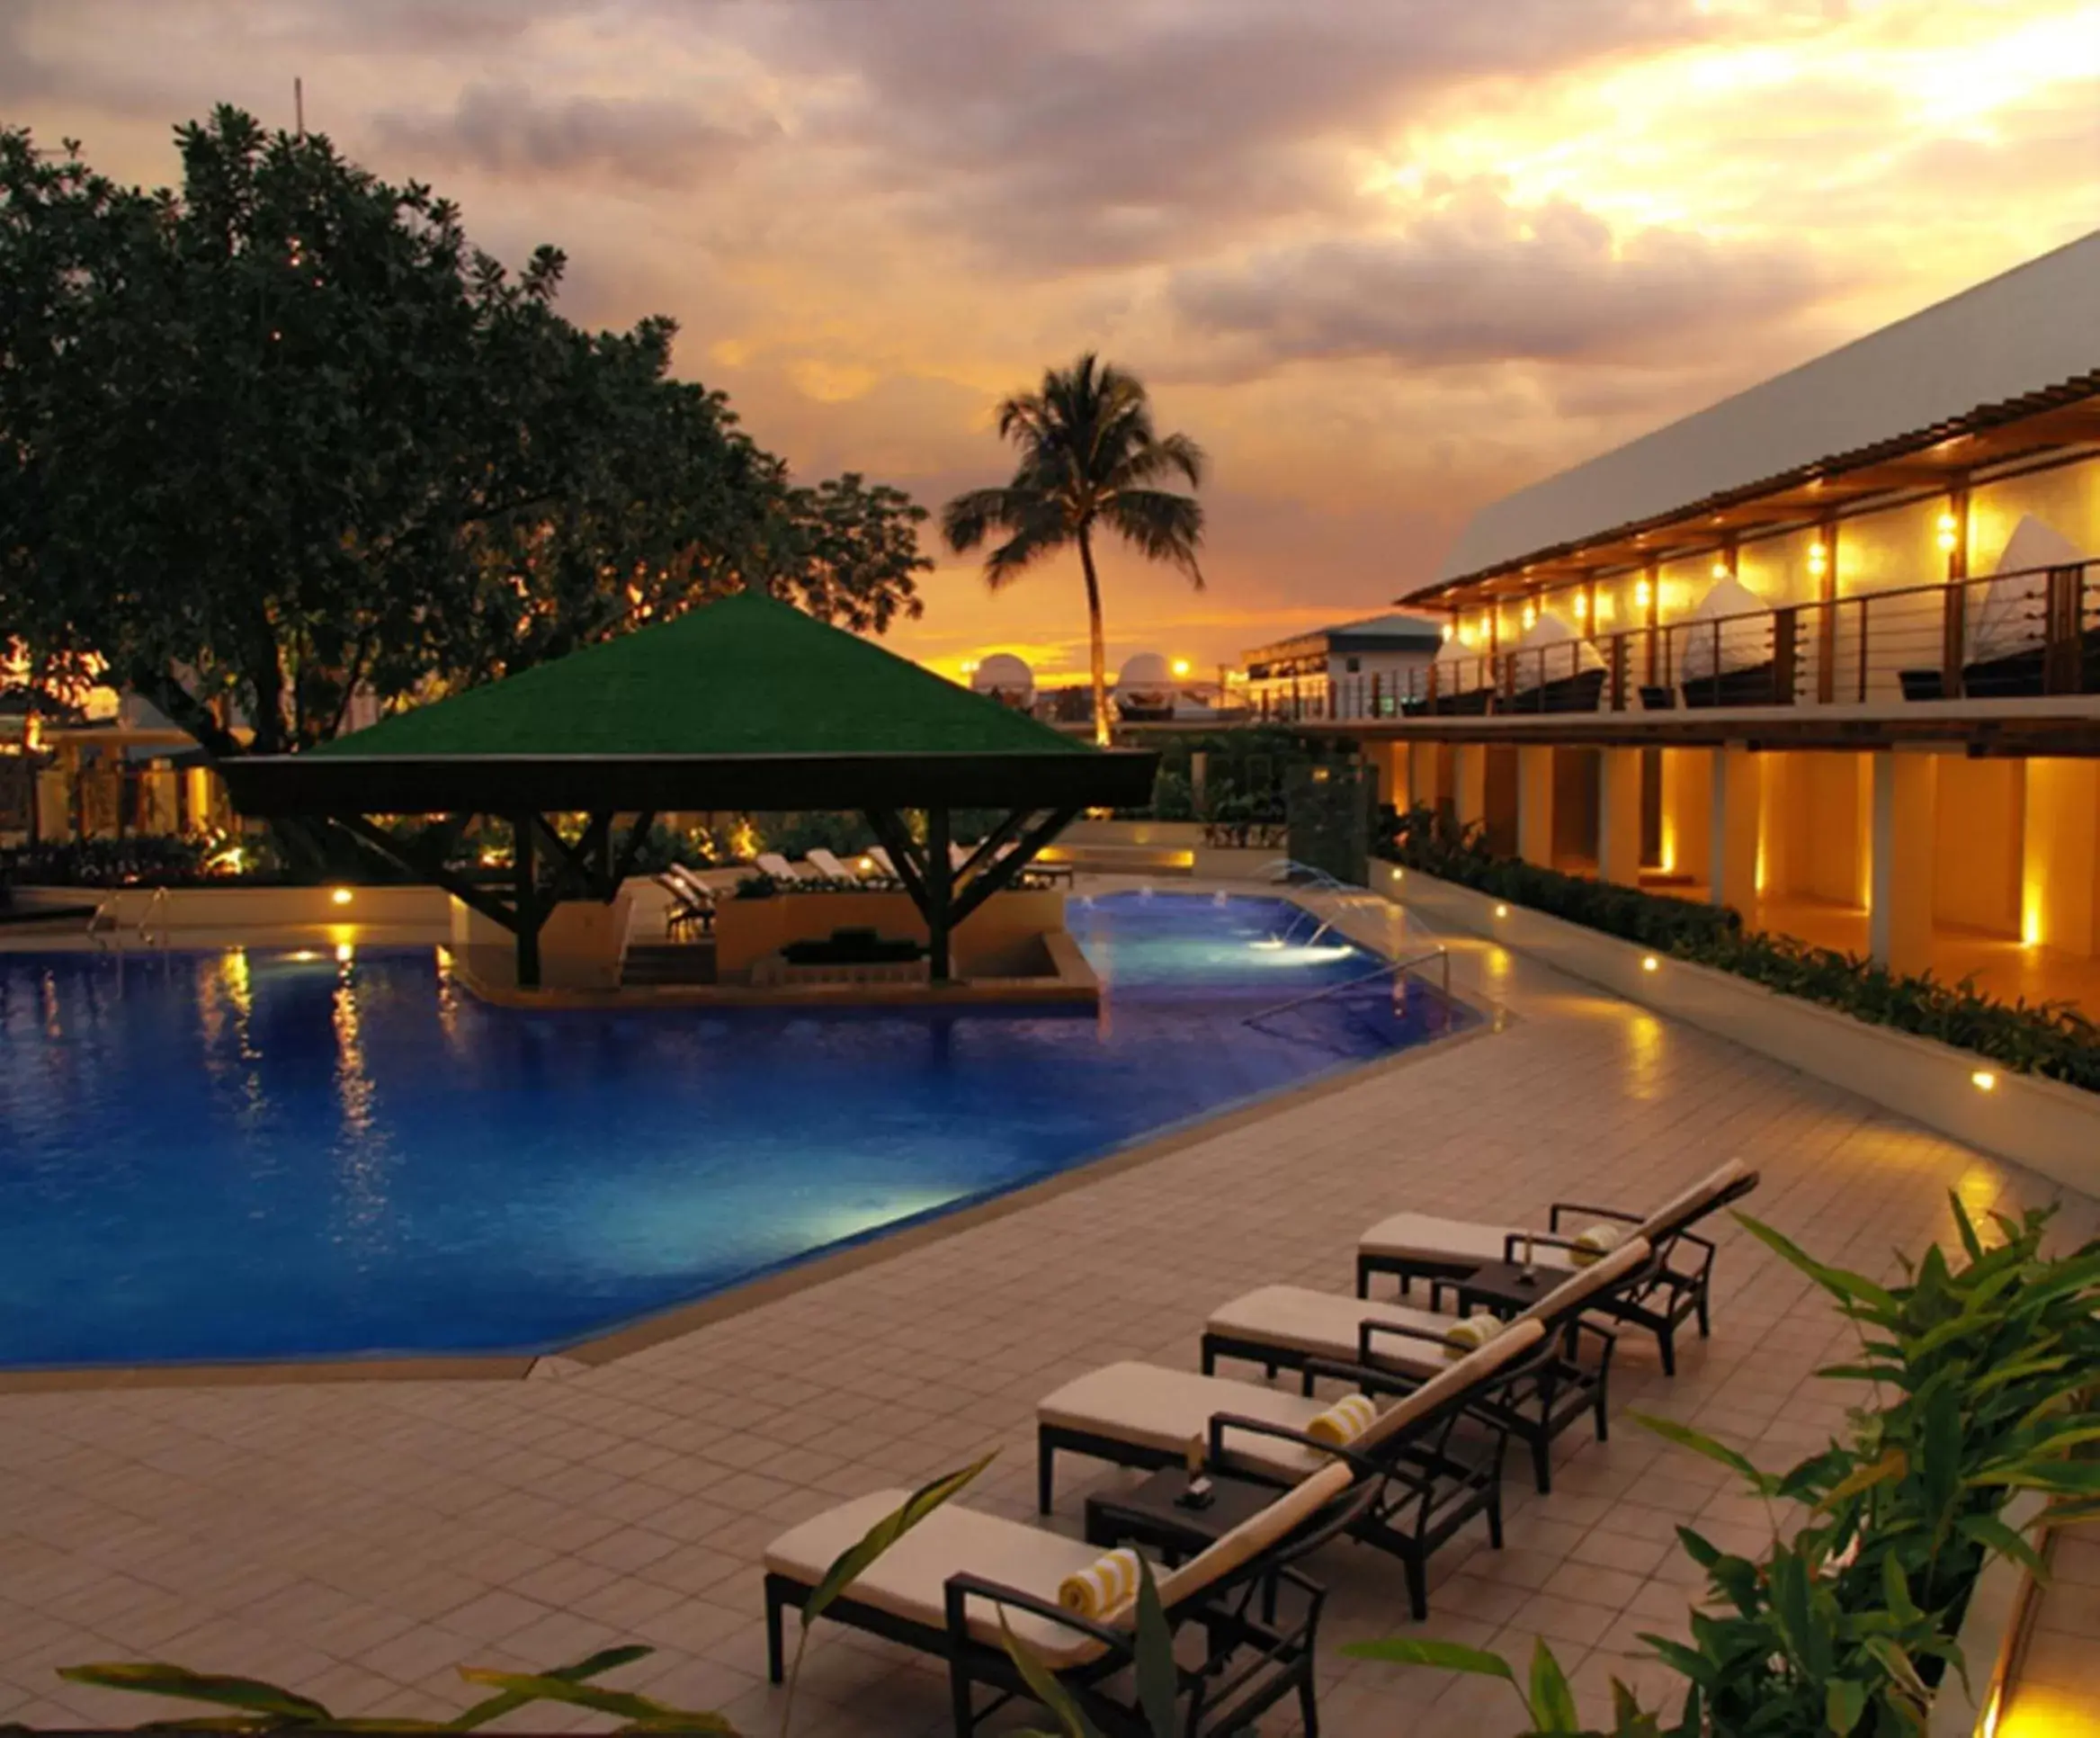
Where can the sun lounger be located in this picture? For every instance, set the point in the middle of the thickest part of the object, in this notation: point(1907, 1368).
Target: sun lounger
point(772, 864)
point(1425, 1485)
point(1293, 1328)
point(943, 1587)
point(1421, 1246)
point(693, 902)
point(827, 865)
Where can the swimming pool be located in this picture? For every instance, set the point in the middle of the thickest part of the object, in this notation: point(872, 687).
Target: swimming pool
point(267, 1155)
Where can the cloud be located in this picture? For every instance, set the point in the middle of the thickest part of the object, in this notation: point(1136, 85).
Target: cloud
point(1068, 137)
point(505, 130)
point(1480, 280)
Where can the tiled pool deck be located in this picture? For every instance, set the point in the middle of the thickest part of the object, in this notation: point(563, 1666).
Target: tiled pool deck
point(358, 1540)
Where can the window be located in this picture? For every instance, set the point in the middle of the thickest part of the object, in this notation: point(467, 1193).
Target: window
point(1353, 665)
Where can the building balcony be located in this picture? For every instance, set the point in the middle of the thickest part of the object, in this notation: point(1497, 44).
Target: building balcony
point(1986, 658)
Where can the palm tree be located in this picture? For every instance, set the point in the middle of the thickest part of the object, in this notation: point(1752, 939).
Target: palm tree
point(1088, 457)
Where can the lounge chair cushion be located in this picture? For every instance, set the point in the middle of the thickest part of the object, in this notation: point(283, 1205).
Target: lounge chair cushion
point(1323, 1324)
point(1256, 1534)
point(1447, 1242)
point(1170, 1411)
point(910, 1580)
point(1681, 1210)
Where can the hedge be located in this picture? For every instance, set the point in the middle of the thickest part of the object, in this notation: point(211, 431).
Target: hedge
point(2052, 1039)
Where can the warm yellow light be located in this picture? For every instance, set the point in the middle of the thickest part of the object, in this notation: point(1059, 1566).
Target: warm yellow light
point(968, 666)
point(344, 953)
point(1947, 542)
point(1448, 631)
point(1721, 569)
point(1581, 606)
point(1818, 557)
point(1650, 963)
point(1643, 594)
point(1983, 1080)
point(867, 862)
point(305, 956)
point(1502, 910)
point(1181, 666)
point(1946, 521)
point(341, 896)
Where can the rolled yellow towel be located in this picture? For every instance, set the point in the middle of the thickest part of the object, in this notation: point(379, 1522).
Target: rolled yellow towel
point(1468, 1334)
point(1104, 1587)
point(1594, 1244)
point(1343, 1422)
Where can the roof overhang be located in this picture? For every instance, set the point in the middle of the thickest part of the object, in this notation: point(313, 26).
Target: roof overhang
point(2066, 726)
point(269, 786)
point(2058, 422)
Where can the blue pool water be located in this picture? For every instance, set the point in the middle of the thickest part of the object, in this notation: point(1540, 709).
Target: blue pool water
point(268, 1155)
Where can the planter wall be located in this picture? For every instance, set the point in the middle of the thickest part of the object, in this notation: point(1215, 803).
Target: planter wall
point(2048, 1126)
point(1003, 937)
point(236, 907)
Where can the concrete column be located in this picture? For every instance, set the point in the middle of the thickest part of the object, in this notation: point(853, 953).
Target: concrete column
point(1685, 804)
point(1619, 816)
point(2061, 857)
point(1534, 805)
point(1469, 781)
point(1899, 903)
point(1731, 851)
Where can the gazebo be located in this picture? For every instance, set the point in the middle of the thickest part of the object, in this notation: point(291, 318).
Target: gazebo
point(742, 705)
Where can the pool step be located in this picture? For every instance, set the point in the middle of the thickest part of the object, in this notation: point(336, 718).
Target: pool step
point(649, 963)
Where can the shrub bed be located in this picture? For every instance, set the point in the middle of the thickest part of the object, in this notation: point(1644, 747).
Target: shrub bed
point(2052, 1039)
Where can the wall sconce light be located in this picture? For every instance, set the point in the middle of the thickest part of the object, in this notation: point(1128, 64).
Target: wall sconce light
point(1721, 569)
point(1531, 615)
point(1947, 527)
point(1581, 606)
point(1643, 594)
point(1448, 631)
point(1983, 1080)
point(1818, 557)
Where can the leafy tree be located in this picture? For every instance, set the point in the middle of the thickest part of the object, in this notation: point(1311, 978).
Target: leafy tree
point(286, 435)
point(1089, 457)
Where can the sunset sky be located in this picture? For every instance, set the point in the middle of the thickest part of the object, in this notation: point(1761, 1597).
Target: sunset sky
point(1386, 259)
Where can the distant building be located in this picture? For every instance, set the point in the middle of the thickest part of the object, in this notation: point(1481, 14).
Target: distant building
point(1359, 668)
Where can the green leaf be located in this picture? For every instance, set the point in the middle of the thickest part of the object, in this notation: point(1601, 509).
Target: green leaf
point(638, 1710)
point(1894, 1464)
point(494, 1708)
point(1994, 1534)
point(1446, 1656)
point(1895, 1590)
point(1700, 1443)
point(1969, 1240)
point(855, 1561)
point(1158, 1681)
point(1553, 1706)
point(1043, 1685)
point(153, 1678)
point(1845, 1702)
point(1852, 1287)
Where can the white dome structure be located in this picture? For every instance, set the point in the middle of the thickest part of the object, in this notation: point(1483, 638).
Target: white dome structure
point(1145, 687)
point(1005, 677)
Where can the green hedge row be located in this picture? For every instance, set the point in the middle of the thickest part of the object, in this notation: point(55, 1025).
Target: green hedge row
point(2052, 1039)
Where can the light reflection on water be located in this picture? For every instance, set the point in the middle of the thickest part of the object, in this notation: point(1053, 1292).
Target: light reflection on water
point(248, 1155)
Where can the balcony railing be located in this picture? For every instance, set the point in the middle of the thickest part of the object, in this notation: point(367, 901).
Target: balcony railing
point(2028, 634)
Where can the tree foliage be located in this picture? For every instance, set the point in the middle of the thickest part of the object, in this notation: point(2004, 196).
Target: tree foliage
point(1090, 458)
point(285, 435)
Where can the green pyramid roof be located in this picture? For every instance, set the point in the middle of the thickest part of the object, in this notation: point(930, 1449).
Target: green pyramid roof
point(747, 674)
point(742, 703)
